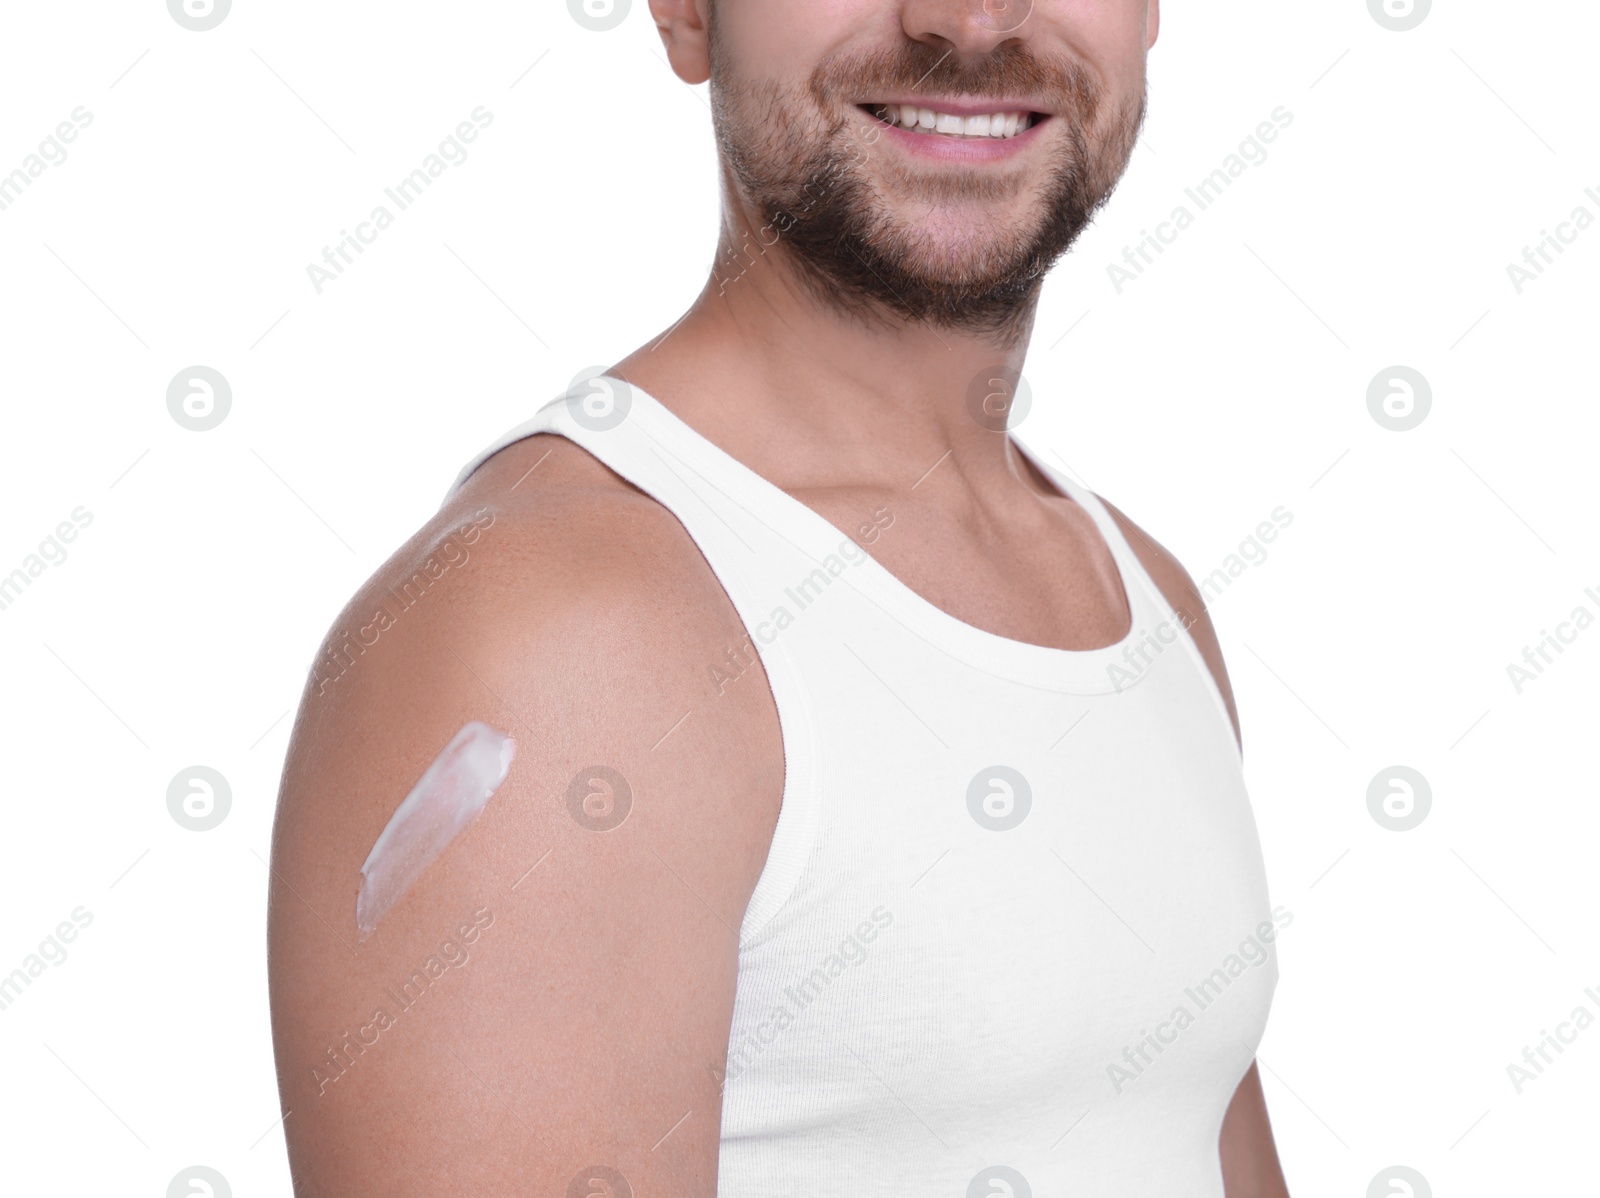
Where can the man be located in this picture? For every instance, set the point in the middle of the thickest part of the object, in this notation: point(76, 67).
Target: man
point(875, 822)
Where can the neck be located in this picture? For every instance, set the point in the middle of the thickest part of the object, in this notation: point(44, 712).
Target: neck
point(812, 392)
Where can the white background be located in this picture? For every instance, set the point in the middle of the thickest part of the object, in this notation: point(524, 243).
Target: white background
point(1230, 378)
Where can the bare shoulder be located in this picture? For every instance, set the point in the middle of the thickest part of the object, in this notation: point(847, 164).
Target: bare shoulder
point(1184, 597)
point(555, 990)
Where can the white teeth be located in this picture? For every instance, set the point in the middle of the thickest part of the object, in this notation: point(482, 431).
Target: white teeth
point(997, 124)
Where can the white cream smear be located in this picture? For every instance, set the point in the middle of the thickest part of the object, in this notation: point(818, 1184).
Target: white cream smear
point(447, 798)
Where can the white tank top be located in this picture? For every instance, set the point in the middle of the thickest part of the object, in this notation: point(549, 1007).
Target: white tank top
point(1012, 936)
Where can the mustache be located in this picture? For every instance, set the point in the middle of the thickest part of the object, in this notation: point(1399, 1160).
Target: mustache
point(1061, 84)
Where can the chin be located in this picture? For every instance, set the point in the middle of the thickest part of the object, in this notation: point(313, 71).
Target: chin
point(957, 252)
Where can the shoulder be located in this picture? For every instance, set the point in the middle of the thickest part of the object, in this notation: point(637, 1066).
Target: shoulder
point(555, 603)
point(1183, 596)
point(543, 559)
point(543, 576)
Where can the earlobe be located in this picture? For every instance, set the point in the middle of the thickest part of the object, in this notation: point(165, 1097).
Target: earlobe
point(683, 29)
point(1153, 20)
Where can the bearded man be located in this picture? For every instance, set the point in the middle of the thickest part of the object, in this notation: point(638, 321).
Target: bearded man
point(767, 776)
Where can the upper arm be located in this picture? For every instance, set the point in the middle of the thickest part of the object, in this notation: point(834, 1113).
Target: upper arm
point(1185, 599)
point(546, 997)
point(1249, 1155)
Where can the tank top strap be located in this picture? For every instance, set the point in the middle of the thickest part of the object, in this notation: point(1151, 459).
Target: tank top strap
point(632, 435)
point(1143, 592)
point(1129, 564)
point(755, 549)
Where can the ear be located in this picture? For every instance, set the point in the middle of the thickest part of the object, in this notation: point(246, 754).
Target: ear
point(1153, 21)
point(684, 28)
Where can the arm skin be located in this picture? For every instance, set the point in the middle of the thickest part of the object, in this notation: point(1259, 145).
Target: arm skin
point(586, 1023)
point(1250, 1167)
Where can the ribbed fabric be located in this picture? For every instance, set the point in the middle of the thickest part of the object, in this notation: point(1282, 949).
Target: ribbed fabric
point(1013, 927)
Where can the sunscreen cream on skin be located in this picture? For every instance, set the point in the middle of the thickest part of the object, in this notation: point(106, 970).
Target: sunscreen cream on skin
point(448, 797)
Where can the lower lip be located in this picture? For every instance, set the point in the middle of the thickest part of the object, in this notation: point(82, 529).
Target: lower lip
point(944, 148)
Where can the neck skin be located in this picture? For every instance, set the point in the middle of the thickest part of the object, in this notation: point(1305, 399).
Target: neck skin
point(813, 397)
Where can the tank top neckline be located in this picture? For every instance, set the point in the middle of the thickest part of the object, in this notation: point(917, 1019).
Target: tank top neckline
point(1103, 669)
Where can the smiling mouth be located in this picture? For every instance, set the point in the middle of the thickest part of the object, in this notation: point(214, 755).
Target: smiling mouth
point(985, 126)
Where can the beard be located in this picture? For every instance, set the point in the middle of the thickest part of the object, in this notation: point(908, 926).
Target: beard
point(876, 238)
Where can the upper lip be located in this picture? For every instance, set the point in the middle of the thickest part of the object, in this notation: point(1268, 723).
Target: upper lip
point(964, 106)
